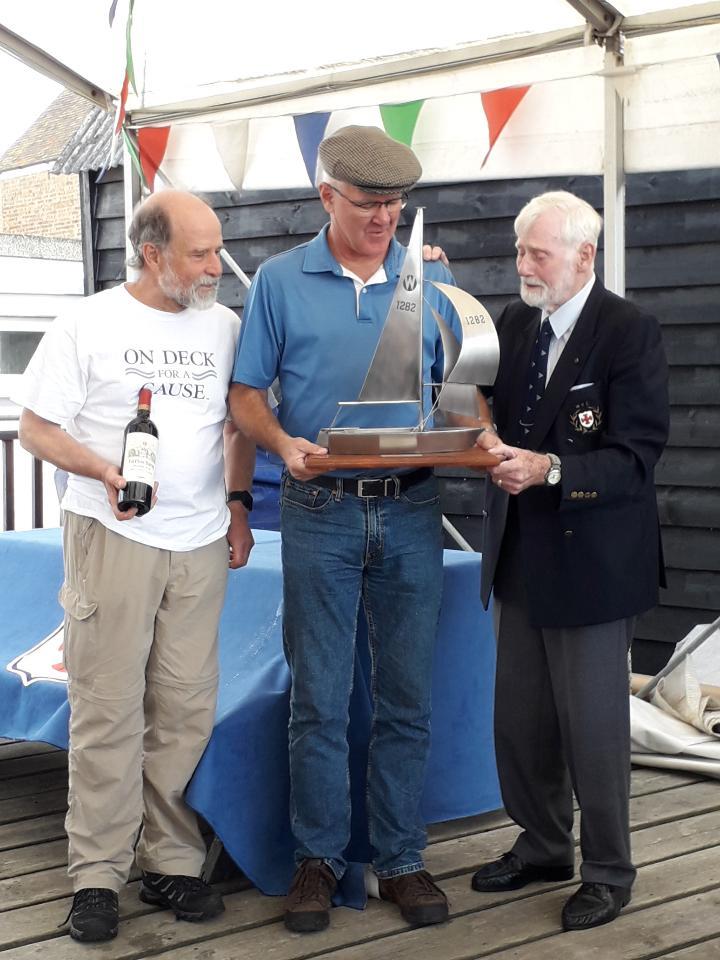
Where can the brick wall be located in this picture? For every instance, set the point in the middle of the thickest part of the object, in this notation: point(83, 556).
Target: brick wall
point(41, 204)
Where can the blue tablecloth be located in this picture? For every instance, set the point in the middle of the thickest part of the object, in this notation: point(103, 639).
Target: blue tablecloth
point(241, 784)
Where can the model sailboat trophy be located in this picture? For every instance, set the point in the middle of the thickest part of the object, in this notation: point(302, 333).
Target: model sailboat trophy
point(395, 376)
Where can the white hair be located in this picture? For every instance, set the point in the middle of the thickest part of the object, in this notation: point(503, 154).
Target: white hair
point(581, 223)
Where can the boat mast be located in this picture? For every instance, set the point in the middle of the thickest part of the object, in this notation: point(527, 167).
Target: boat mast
point(418, 233)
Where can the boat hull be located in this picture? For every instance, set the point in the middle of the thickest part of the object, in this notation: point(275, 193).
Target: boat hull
point(396, 440)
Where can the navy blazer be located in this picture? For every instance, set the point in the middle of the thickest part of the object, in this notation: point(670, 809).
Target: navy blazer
point(591, 550)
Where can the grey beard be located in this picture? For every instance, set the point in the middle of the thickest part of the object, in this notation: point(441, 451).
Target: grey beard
point(189, 296)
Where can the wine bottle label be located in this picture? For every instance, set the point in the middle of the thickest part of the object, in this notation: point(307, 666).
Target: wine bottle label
point(140, 457)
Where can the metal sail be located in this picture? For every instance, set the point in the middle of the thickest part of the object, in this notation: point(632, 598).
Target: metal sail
point(460, 398)
point(396, 369)
point(451, 344)
point(480, 350)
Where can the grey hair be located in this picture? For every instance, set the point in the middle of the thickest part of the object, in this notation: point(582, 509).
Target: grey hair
point(324, 177)
point(581, 223)
point(150, 224)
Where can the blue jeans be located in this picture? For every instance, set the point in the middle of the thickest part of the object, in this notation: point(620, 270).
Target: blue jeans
point(339, 550)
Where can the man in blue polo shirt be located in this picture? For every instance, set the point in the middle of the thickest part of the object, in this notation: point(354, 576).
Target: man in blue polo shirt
point(313, 319)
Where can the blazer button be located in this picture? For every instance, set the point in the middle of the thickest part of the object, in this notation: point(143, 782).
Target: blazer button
point(568, 533)
point(593, 494)
point(574, 495)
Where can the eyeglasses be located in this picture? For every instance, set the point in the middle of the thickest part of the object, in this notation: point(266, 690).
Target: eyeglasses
point(373, 206)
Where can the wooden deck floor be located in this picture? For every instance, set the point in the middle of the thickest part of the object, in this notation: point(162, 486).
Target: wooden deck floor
point(675, 911)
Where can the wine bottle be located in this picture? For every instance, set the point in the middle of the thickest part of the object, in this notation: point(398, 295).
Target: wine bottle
point(140, 447)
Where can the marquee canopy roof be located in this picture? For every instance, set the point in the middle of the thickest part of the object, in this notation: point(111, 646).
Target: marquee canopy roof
point(484, 90)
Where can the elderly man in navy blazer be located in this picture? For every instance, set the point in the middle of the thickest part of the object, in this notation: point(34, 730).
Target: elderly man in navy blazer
point(572, 550)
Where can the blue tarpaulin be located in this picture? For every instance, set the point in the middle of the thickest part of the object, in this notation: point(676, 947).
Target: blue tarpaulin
point(266, 492)
point(241, 784)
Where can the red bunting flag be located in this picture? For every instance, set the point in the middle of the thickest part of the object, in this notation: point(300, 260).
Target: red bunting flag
point(120, 115)
point(152, 143)
point(499, 106)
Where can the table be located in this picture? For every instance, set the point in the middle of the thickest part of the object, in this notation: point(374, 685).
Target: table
point(241, 784)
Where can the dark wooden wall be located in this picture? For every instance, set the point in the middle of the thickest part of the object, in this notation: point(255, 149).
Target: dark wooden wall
point(672, 270)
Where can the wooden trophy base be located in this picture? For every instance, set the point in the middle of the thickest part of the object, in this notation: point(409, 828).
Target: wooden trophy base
point(474, 457)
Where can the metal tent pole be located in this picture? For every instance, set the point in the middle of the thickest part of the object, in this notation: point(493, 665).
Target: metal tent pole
point(677, 658)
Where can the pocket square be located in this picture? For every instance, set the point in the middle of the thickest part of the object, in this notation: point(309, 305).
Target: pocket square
point(581, 386)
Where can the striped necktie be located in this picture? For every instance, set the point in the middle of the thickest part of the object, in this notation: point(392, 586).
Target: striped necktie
point(536, 377)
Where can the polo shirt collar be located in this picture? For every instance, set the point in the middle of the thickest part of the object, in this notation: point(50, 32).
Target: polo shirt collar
point(319, 258)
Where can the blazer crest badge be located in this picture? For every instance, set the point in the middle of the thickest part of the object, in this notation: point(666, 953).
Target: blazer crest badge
point(586, 419)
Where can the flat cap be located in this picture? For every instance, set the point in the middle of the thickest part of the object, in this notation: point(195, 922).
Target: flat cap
point(369, 159)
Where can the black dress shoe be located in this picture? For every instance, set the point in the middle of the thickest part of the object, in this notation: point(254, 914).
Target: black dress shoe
point(593, 904)
point(511, 873)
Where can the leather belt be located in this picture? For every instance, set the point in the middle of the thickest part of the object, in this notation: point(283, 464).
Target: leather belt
point(373, 486)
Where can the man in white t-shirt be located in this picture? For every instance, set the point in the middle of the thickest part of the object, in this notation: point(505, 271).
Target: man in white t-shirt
point(143, 594)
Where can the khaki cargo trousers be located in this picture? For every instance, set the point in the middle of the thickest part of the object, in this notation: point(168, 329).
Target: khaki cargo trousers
point(141, 656)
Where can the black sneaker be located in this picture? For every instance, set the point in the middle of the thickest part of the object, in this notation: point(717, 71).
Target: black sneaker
point(188, 897)
point(94, 915)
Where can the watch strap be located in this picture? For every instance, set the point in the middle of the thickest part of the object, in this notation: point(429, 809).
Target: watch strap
point(554, 470)
point(244, 496)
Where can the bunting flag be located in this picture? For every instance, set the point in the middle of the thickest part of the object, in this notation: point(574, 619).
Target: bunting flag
point(120, 112)
point(130, 68)
point(499, 106)
point(231, 140)
point(399, 119)
point(310, 130)
point(152, 143)
point(134, 156)
point(128, 79)
point(448, 134)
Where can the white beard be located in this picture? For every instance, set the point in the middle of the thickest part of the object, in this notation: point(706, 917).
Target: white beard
point(539, 294)
point(534, 295)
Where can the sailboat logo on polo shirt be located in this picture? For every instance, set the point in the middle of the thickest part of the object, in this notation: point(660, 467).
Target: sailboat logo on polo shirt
point(44, 661)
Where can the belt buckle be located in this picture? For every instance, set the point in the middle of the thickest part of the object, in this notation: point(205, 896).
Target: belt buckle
point(361, 488)
point(383, 480)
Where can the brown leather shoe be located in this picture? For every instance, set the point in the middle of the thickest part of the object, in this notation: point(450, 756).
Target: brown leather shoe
point(307, 906)
point(419, 898)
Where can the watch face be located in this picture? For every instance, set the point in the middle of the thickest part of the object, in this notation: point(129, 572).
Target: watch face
point(553, 476)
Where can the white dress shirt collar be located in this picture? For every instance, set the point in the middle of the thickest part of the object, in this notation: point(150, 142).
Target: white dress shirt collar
point(566, 315)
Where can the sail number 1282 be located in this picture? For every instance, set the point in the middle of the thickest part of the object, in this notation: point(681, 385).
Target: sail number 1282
point(406, 305)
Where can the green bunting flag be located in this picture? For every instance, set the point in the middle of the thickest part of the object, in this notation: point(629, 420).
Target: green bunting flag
point(399, 119)
point(128, 48)
point(135, 157)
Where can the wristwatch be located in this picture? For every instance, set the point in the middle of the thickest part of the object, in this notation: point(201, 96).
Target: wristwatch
point(243, 496)
point(554, 474)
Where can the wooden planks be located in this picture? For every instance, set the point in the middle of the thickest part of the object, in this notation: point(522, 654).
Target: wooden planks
point(674, 912)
